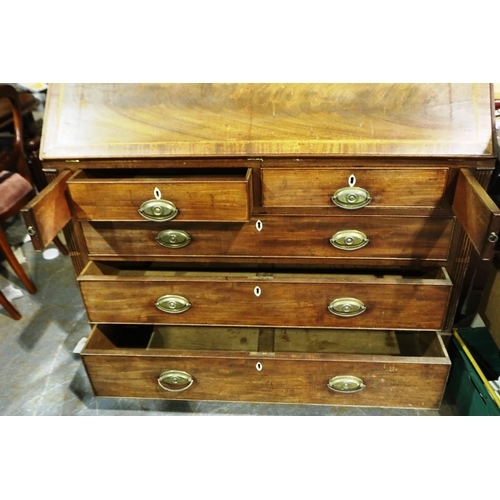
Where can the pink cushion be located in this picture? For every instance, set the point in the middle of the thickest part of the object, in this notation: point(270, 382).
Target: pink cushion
point(12, 188)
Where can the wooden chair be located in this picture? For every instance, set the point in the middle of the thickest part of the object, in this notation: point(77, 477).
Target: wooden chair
point(16, 189)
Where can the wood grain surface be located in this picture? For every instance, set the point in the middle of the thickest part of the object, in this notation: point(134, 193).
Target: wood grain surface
point(288, 377)
point(286, 300)
point(192, 120)
point(306, 238)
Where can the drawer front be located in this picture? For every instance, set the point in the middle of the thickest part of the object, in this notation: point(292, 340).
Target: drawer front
point(322, 301)
point(307, 238)
point(384, 187)
point(197, 198)
point(393, 380)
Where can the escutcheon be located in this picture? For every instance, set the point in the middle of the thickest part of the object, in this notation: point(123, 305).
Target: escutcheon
point(346, 384)
point(173, 304)
point(158, 210)
point(349, 240)
point(173, 238)
point(351, 198)
point(346, 307)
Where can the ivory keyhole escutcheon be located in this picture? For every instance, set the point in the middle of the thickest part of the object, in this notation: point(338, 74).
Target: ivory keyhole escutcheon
point(259, 366)
point(257, 291)
point(258, 225)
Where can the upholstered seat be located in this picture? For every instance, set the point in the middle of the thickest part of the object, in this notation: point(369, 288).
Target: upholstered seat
point(16, 189)
point(13, 187)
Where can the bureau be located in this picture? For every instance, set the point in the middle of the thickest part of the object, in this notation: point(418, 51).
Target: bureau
point(292, 243)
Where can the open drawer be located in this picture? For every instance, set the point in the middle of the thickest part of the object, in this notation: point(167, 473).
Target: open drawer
point(334, 367)
point(184, 195)
point(117, 293)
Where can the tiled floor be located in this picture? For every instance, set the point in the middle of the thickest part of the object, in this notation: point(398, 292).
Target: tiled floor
point(41, 375)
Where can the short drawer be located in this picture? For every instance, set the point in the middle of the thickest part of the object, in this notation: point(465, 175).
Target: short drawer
point(185, 195)
point(271, 237)
point(325, 367)
point(354, 188)
point(115, 294)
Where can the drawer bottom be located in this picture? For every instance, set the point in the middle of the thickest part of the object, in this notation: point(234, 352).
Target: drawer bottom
point(324, 367)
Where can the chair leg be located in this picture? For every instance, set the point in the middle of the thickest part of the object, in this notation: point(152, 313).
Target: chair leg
point(11, 258)
point(9, 307)
point(59, 244)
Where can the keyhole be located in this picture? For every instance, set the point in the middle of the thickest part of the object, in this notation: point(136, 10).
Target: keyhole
point(352, 180)
point(257, 291)
point(258, 225)
point(258, 366)
point(157, 193)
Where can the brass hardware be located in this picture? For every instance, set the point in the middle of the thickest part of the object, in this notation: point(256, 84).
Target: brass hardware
point(175, 377)
point(351, 198)
point(346, 307)
point(72, 161)
point(31, 231)
point(493, 238)
point(349, 240)
point(158, 210)
point(173, 304)
point(346, 384)
point(173, 238)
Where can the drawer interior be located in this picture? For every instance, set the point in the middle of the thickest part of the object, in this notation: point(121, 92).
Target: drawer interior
point(169, 270)
point(165, 175)
point(172, 340)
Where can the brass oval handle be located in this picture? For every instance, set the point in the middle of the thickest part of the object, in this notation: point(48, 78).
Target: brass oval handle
point(351, 198)
point(158, 210)
point(346, 307)
point(349, 240)
point(173, 238)
point(173, 304)
point(175, 378)
point(346, 384)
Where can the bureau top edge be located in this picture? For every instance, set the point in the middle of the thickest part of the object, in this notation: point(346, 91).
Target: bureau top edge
point(487, 163)
point(106, 121)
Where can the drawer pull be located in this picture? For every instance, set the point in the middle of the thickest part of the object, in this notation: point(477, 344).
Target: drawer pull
point(346, 384)
point(175, 378)
point(346, 307)
point(349, 240)
point(158, 210)
point(351, 198)
point(173, 304)
point(173, 238)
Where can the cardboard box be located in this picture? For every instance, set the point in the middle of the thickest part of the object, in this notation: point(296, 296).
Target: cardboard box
point(489, 307)
point(465, 383)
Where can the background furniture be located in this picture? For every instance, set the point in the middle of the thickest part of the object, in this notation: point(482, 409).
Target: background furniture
point(16, 187)
point(286, 243)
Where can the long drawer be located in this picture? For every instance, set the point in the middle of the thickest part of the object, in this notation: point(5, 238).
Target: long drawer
point(354, 188)
point(117, 294)
point(186, 195)
point(335, 237)
point(390, 369)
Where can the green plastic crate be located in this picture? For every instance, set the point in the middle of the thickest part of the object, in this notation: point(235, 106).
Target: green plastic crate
point(464, 384)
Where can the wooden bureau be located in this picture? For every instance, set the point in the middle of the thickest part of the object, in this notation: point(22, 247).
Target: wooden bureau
point(295, 243)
